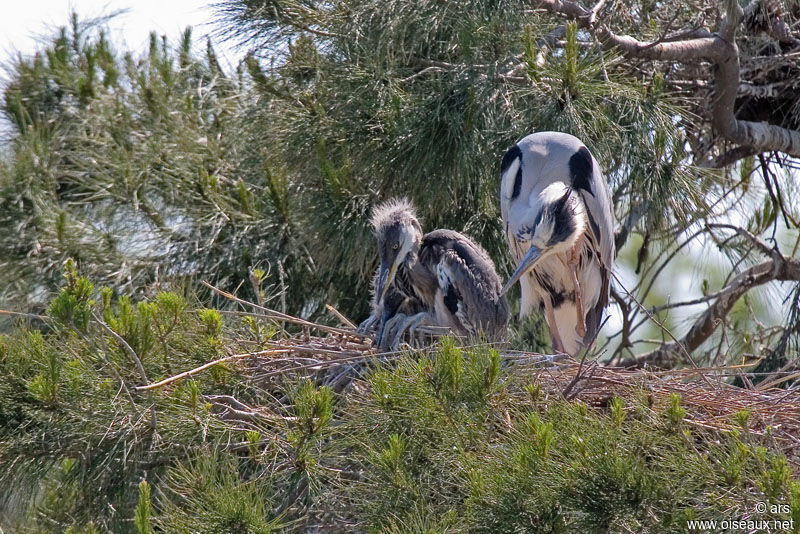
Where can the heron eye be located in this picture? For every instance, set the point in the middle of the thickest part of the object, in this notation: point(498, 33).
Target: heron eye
point(396, 246)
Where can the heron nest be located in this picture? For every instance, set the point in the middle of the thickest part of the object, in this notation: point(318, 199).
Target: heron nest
point(341, 358)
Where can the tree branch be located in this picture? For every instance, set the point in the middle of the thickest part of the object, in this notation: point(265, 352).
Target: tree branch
point(758, 15)
point(778, 268)
point(125, 346)
point(729, 157)
point(720, 49)
point(207, 365)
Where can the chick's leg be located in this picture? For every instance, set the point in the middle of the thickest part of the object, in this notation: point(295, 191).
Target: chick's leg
point(410, 323)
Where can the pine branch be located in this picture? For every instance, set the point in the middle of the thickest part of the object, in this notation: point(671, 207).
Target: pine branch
point(125, 346)
point(719, 48)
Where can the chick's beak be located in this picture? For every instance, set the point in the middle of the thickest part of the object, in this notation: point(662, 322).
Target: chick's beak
point(385, 278)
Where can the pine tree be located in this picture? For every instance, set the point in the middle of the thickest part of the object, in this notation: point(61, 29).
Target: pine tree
point(367, 100)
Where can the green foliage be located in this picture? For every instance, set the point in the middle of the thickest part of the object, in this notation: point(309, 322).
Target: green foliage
point(128, 164)
point(558, 468)
point(440, 441)
point(776, 478)
point(674, 412)
point(72, 384)
point(71, 306)
point(617, 410)
point(733, 462)
point(743, 418)
point(208, 493)
point(535, 440)
point(212, 321)
point(313, 409)
point(464, 382)
point(44, 385)
point(142, 515)
point(794, 501)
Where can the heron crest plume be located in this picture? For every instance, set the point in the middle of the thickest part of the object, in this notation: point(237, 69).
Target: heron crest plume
point(392, 212)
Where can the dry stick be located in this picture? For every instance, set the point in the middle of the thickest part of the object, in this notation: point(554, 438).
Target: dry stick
point(665, 329)
point(210, 364)
point(27, 315)
point(572, 383)
point(777, 381)
point(281, 277)
point(284, 317)
point(340, 316)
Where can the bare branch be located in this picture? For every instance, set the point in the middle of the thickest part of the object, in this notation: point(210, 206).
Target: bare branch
point(731, 156)
point(422, 72)
point(26, 315)
point(719, 48)
point(763, 247)
point(594, 12)
point(345, 321)
point(779, 268)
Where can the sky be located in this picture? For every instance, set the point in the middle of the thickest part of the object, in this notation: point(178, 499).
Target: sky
point(25, 20)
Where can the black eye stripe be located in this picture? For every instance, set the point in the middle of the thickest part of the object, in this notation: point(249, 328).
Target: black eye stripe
point(581, 168)
point(517, 182)
point(513, 154)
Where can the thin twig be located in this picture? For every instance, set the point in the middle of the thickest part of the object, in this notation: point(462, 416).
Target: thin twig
point(340, 316)
point(124, 344)
point(205, 366)
point(661, 326)
point(26, 315)
point(284, 317)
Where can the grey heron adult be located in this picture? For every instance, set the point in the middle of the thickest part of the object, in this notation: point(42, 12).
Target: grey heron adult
point(559, 223)
point(441, 278)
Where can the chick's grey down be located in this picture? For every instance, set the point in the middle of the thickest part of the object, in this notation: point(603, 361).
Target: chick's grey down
point(441, 278)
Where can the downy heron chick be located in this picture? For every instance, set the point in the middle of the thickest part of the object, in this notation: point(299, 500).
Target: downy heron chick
point(559, 224)
point(441, 278)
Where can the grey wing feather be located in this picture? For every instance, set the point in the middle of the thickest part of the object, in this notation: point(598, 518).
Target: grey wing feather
point(478, 305)
point(601, 216)
point(600, 210)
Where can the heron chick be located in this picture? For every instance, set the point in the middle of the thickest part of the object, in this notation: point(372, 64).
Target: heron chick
point(441, 278)
point(559, 224)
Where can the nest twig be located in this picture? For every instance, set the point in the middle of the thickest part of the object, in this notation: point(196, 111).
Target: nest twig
point(341, 355)
point(710, 401)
